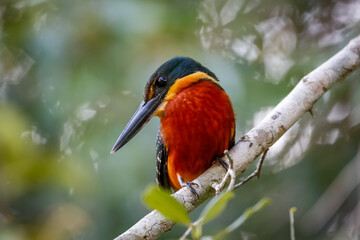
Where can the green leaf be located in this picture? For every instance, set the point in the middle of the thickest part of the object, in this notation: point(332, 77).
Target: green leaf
point(160, 199)
point(216, 206)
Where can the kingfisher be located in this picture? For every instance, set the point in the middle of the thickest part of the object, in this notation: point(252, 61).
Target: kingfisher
point(197, 122)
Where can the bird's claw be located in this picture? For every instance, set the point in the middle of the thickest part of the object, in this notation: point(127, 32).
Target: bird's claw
point(230, 172)
point(189, 185)
point(222, 162)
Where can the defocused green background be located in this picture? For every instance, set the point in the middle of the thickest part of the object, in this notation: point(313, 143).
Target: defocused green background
point(72, 74)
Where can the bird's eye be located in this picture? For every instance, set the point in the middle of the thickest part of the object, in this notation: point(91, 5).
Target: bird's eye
point(161, 81)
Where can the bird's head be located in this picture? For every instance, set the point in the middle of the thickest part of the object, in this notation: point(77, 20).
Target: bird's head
point(164, 84)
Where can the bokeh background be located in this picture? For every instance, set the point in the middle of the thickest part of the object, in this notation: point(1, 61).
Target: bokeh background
point(72, 74)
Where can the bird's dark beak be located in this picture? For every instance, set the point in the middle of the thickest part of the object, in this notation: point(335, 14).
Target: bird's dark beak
point(138, 121)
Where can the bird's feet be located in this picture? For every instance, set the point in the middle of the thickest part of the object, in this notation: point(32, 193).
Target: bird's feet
point(189, 185)
point(222, 162)
point(229, 172)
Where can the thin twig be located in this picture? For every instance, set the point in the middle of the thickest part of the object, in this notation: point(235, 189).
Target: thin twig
point(292, 227)
point(186, 233)
point(256, 173)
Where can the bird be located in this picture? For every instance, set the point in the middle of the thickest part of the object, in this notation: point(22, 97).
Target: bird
point(197, 122)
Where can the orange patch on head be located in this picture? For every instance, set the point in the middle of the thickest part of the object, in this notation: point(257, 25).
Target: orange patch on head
point(185, 82)
point(151, 92)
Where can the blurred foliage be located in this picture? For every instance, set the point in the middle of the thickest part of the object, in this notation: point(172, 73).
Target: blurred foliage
point(73, 72)
point(36, 185)
point(161, 200)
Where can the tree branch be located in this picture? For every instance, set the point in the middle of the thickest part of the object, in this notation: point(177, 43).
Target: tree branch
point(299, 101)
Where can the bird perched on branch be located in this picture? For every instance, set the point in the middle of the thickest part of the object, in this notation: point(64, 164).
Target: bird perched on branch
point(197, 121)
